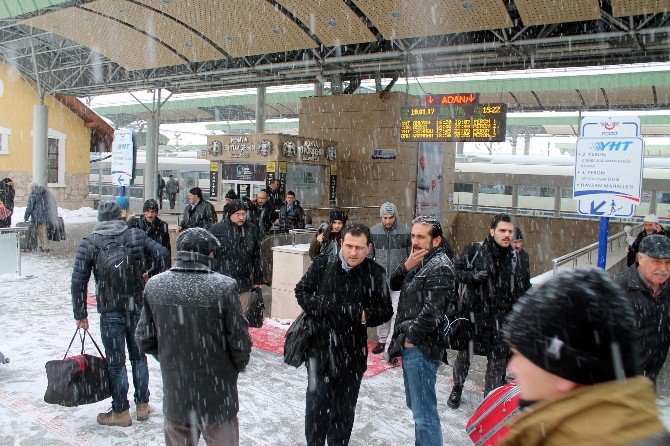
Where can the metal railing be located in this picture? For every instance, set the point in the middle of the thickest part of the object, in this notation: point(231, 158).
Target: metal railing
point(588, 250)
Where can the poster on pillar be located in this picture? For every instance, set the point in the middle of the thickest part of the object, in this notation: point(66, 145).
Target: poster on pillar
point(282, 177)
point(332, 185)
point(213, 183)
point(429, 180)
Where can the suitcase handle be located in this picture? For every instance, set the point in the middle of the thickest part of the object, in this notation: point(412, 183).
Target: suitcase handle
point(83, 339)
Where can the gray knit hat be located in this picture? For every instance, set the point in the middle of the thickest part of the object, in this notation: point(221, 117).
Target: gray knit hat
point(388, 209)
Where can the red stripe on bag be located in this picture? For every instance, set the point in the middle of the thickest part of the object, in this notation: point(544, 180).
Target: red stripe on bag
point(82, 362)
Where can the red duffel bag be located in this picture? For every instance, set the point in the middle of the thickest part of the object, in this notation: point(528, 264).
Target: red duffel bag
point(81, 379)
point(487, 426)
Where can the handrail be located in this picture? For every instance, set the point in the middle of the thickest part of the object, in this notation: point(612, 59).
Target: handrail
point(574, 255)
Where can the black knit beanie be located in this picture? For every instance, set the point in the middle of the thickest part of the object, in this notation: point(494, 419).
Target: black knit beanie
point(150, 205)
point(577, 325)
point(231, 194)
point(197, 240)
point(234, 206)
point(338, 215)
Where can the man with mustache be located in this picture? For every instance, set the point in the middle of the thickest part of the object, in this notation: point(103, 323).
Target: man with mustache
point(486, 270)
point(646, 285)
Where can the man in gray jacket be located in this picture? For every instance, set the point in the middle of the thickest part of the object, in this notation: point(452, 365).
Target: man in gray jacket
point(198, 307)
point(392, 244)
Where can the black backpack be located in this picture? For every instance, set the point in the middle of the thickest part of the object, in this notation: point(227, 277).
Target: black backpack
point(118, 276)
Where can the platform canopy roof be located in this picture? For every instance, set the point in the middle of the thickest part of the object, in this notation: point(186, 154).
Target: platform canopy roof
point(84, 48)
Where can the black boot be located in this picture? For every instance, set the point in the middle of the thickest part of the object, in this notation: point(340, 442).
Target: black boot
point(455, 397)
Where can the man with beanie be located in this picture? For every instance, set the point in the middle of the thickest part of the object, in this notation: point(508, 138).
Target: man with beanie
point(115, 254)
point(485, 271)
point(153, 227)
point(574, 357)
point(198, 213)
point(172, 189)
point(426, 284)
point(124, 204)
point(199, 307)
point(391, 245)
point(230, 196)
point(646, 285)
point(40, 210)
point(520, 265)
point(341, 299)
point(261, 213)
point(328, 242)
point(651, 226)
point(238, 255)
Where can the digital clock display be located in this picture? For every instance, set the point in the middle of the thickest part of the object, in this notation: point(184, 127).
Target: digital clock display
point(470, 122)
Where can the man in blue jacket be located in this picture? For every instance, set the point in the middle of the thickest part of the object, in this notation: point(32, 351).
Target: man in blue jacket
point(119, 288)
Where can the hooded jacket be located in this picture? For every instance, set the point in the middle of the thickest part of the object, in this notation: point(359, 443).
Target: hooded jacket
point(142, 248)
point(41, 206)
point(334, 300)
point(425, 292)
point(614, 413)
point(239, 253)
point(192, 321)
point(391, 247)
point(156, 230)
point(295, 219)
point(652, 320)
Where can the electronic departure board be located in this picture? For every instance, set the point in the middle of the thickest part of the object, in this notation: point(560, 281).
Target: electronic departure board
point(465, 122)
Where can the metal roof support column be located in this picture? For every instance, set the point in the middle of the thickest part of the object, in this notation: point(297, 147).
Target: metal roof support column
point(40, 141)
point(448, 174)
point(151, 161)
point(515, 198)
point(475, 196)
point(318, 88)
point(526, 144)
point(459, 148)
point(653, 201)
point(260, 110)
point(557, 201)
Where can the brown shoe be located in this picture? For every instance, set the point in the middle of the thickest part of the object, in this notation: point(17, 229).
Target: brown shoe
point(379, 348)
point(143, 410)
point(112, 418)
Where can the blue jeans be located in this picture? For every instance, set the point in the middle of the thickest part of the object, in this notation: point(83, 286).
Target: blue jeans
point(116, 329)
point(420, 376)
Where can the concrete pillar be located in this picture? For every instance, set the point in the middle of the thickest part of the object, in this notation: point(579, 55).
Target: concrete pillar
point(557, 201)
point(515, 145)
point(515, 198)
point(336, 84)
point(653, 201)
point(40, 141)
point(318, 88)
point(526, 144)
point(459, 148)
point(151, 160)
point(475, 196)
point(260, 110)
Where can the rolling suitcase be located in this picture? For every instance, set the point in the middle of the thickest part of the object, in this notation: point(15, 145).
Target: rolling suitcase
point(28, 237)
point(488, 425)
point(56, 232)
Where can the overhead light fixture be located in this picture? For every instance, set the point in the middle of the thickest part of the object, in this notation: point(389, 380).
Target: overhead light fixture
point(332, 23)
point(277, 31)
point(397, 14)
point(467, 5)
point(188, 44)
point(123, 10)
point(231, 38)
point(167, 2)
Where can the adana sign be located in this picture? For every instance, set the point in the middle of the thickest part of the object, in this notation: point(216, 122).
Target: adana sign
point(123, 158)
point(608, 166)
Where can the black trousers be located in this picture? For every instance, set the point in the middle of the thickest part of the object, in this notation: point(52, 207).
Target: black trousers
point(172, 198)
point(330, 407)
point(496, 367)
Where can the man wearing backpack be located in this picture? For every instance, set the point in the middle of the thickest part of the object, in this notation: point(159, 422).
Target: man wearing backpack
point(115, 254)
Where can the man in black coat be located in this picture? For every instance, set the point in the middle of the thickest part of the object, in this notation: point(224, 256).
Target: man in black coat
point(485, 270)
point(291, 214)
point(341, 299)
point(198, 213)
point(7, 194)
point(426, 284)
point(118, 319)
point(520, 266)
point(155, 228)
point(261, 213)
point(199, 308)
point(651, 226)
point(238, 255)
point(275, 196)
point(646, 285)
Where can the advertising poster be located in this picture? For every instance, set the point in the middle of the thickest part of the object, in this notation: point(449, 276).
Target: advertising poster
point(270, 172)
point(332, 188)
point(213, 189)
point(123, 158)
point(429, 180)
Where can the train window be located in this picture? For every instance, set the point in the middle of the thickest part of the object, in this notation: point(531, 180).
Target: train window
point(496, 189)
point(107, 170)
point(94, 170)
point(139, 173)
point(663, 197)
point(306, 181)
point(463, 187)
point(566, 192)
point(646, 196)
point(203, 176)
point(536, 191)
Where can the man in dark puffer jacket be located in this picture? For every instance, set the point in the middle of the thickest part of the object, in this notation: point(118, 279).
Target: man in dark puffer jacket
point(117, 322)
point(198, 307)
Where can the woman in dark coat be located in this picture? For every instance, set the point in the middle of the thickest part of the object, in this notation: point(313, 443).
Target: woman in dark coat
point(328, 243)
point(7, 194)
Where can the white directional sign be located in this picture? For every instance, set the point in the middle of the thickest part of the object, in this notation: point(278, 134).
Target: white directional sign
point(608, 175)
point(122, 158)
point(608, 166)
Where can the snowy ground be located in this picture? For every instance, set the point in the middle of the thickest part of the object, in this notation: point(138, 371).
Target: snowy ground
point(37, 325)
